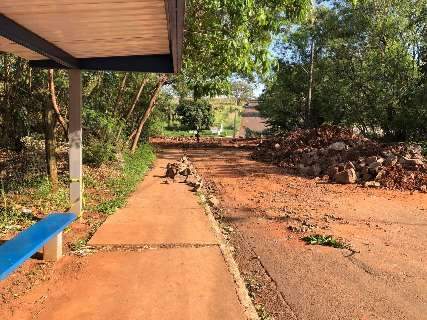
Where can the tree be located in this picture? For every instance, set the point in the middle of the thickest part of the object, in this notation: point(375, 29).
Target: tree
point(195, 115)
point(367, 71)
point(162, 79)
point(241, 90)
point(223, 38)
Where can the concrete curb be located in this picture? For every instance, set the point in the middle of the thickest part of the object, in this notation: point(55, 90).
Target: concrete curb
point(241, 290)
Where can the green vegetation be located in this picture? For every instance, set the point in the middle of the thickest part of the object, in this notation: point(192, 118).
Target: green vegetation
point(195, 115)
point(14, 220)
point(328, 241)
point(34, 198)
point(16, 210)
point(135, 166)
point(354, 63)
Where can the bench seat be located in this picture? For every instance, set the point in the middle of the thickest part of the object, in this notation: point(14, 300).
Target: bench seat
point(14, 252)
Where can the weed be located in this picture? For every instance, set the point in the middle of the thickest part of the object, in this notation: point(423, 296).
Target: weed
point(110, 206)
point(89, 181)
point(253, 287)
point(14, 220)
point(80, 247)
point(135, 167)
point(328, 241)
point(262, 313)
point(47, 200)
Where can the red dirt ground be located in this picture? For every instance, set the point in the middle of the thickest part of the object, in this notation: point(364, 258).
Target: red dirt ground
point(266, 212)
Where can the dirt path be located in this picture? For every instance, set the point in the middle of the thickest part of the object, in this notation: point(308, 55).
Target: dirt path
point(157, 258)
point(267, 212)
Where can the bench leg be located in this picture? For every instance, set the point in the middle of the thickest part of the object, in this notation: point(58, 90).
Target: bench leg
point(52, 250)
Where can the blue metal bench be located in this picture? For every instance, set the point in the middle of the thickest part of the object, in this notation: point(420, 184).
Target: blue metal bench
point(46, 233)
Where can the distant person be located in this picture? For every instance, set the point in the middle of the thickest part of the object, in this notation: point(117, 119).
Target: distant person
point(197, 136)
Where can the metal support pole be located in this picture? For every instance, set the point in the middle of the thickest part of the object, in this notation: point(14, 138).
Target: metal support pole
point(75, 140)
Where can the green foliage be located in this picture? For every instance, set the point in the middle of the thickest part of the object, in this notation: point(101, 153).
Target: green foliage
point(97, 153)
point(227, 37)
point(241, 90)
point(195, 115)
point(135, 167)
point(368, 69)
point(48, 201)
point(14, 220)
point(327, 241)
point(101, 143)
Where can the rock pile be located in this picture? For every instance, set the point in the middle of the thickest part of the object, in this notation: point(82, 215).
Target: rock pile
point(184, 168)
point(340, 156)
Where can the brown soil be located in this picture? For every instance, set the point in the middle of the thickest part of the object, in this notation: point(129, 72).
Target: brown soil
point(265, 213)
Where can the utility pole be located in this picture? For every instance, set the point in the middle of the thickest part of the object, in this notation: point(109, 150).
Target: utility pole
point(235, 124)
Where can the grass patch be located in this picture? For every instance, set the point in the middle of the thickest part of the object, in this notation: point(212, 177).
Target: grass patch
point(327, 241)
point(15, 220)
point(134, 168)
point(46, 201)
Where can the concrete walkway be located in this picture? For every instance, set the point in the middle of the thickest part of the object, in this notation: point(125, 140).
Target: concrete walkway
point(165, 262)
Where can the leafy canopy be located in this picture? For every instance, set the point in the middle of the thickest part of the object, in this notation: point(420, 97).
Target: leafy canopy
point(195, 115)
point(226, 37)
point(369, 69)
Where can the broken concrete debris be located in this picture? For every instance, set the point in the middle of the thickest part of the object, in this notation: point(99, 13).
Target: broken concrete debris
point(340, 156)
point(185, 168)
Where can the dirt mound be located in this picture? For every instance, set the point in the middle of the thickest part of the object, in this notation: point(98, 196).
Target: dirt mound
point(205, 142)
point(339, 155)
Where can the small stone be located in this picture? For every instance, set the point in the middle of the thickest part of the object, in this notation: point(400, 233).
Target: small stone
point(412, 162)
point(391, 160)
point(380, 174)
point(370, 160)
point(338, 146)
point(332, 172)
point(372, 184)
point(349, 165)
point(346, 177)
point(213, 201)
point(315, 170)
point(375, 166)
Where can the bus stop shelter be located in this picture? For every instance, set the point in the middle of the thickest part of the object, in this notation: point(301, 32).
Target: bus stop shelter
point(107, 35)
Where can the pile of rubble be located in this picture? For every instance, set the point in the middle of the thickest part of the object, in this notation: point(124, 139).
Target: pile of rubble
point(341, 156)
point(184, 168)
point(205, 142)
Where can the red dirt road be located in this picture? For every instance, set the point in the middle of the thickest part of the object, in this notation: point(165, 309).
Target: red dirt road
point(266, 212)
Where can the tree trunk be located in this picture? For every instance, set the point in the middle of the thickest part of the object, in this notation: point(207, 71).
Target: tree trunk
point(55, 105)
point(308, 115)
point(132, 108)
point(135, 101)
point(120, 94)
point(147, 113)
point(50, 146)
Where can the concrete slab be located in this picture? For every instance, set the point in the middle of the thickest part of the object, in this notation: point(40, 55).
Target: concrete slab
point(155, 226)
point(154, 284)
point(156, 214)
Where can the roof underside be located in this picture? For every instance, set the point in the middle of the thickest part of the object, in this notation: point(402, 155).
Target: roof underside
point(127, 35)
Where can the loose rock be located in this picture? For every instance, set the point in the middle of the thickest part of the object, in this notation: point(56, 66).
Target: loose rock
point(346, 177)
